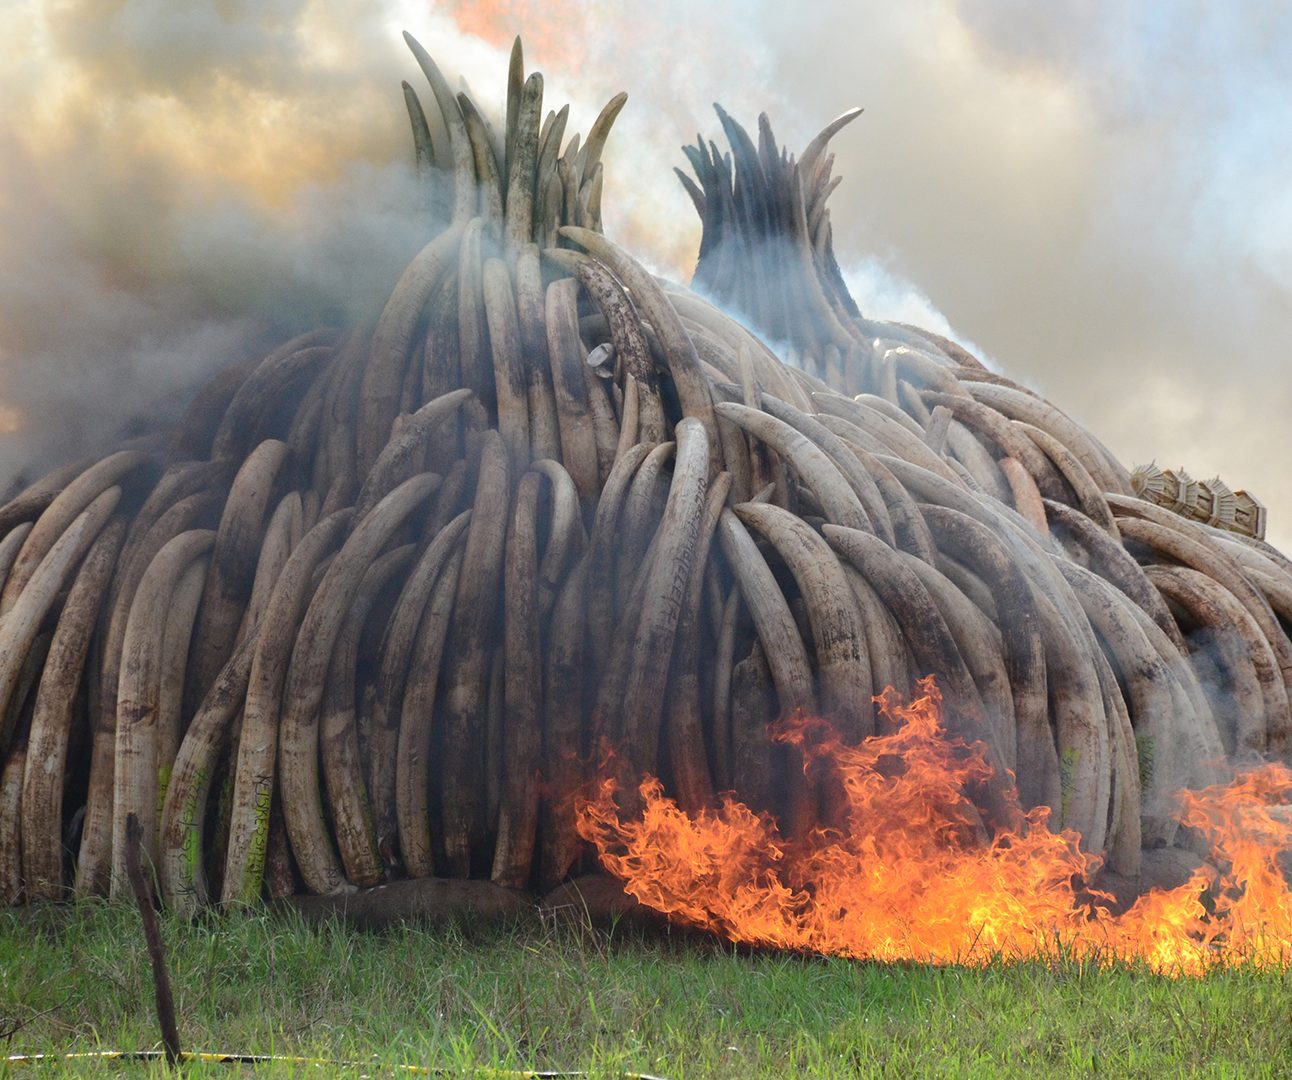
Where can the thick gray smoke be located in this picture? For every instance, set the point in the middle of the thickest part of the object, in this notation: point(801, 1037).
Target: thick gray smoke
point(181, 186)
point(1096, 193)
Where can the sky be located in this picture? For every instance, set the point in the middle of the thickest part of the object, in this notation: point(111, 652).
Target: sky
point(1097, 195)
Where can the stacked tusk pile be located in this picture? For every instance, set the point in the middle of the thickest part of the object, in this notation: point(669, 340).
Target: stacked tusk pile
point(372, 608)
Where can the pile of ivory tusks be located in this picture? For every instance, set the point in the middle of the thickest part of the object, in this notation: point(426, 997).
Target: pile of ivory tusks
point(373, 608)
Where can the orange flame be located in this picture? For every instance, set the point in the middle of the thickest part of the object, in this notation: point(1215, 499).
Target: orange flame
point(913, 874)
point(552, 29)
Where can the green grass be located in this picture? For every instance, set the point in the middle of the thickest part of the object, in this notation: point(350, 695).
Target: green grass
point(546, 997)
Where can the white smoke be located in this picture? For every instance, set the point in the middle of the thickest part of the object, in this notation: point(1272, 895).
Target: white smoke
point(183, 185)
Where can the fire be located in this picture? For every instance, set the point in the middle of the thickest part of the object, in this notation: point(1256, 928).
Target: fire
point(913, 873)
point(550, 29)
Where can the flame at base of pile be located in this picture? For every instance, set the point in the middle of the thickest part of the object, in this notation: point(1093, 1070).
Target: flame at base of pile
point(912, 873)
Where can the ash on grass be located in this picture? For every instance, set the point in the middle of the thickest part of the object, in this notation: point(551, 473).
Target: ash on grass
point(533, 996)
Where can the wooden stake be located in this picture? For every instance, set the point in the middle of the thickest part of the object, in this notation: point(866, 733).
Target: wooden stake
point(152, 935)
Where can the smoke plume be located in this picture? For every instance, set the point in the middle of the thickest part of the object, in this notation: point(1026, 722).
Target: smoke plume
point(1093, 193)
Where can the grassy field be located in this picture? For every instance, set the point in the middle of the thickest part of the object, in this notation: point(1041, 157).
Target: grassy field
point(544, 997)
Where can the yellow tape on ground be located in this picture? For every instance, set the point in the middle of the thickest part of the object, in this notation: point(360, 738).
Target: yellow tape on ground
point(265, 1059)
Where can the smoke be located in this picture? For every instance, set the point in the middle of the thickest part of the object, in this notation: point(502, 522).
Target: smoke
point(184, 185)
point(1094, 193)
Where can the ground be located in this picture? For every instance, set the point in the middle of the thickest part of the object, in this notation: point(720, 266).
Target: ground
point(609, 1001)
